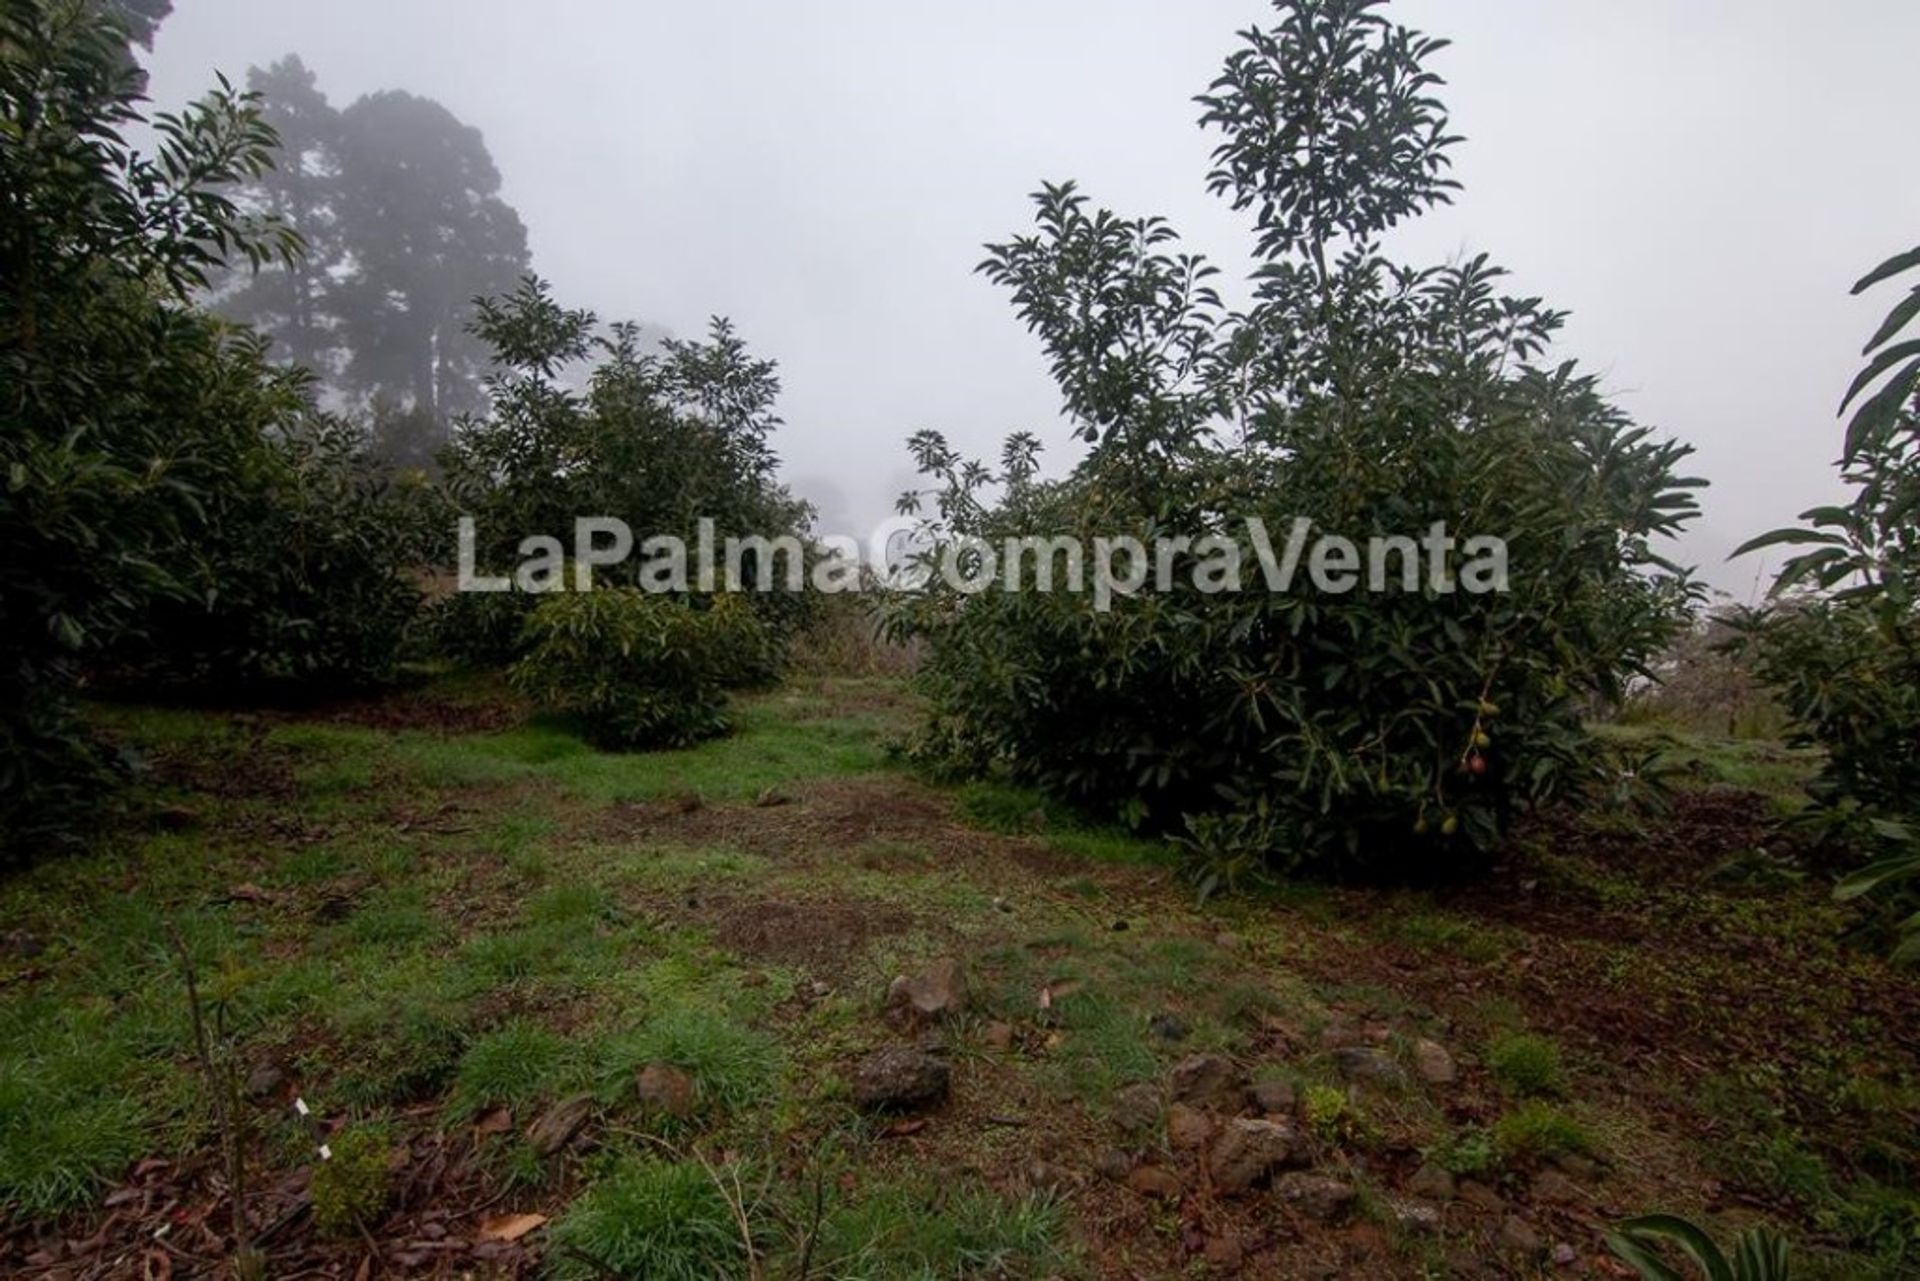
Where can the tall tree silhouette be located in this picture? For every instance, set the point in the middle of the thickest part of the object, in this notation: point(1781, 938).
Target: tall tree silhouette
point(296, 302)
point(419, 201)
point(399, 204)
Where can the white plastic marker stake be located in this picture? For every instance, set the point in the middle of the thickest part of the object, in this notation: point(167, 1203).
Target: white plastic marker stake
point(300, 1106)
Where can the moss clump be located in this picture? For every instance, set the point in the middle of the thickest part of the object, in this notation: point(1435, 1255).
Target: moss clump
point(351, 1187)
point(1537, 1131)
point(1526, 1066)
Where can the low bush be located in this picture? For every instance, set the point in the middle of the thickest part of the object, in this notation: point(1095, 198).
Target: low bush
point(647, 1217)
point(639, 670)
point(1525, 1065)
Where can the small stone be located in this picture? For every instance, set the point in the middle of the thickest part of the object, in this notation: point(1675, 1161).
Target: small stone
point(1224, 1253)
point(666, 1089)
point(1364, 1066)
point(1227, 941)
point(265, 1081)
point(1168, 1027)
point(998, 1036)
point(933, 994)
point(1272, 1096)
point(560, 1124)
point(1049, 1179)
point(1416, 1218)
point(1555, 1188)
point(1315, 1196)
point(1136, 1109)
point(1564, 1255)
point(1249, 1150)
point(1517, 1235)
point(1433, 1182)
point(1433, 1063)
point(1206, 1081)
point(899, 1078)
point(1481, 1197)
point(1156, 1182)
point(1585, 1169)
point(771, 797)
point(1113, 1164)
point(1188, 1128)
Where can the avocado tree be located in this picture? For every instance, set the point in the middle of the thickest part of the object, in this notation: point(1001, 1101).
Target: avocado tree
point(1366, 731)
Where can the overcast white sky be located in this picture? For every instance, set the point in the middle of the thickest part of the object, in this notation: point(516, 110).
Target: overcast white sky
point(1698, 181)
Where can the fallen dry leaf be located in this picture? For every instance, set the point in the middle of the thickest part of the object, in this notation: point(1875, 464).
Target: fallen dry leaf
point(510, 1227)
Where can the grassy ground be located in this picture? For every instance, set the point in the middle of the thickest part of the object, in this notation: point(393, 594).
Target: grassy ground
point(448, 929)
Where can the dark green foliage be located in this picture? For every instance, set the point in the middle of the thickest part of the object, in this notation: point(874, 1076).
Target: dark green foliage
point(310, 579)
point(1759, 1254)
point(639, 670)
point(351, 1187)
point(1302, 728)
point(120, 406)
point(662, 442)
point(648, 1217)
point(1845, 662)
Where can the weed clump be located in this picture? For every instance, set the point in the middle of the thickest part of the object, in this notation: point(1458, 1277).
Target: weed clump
point(351, 1187)
point(644, 1217)
point(1528, 1066)
point(1536, 1132)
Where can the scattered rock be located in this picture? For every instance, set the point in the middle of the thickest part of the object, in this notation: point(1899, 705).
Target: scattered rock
point(998, 1036)
point(1433, 1182)
point(23, 945)
point(1113, 1164)
point(1206, 1081)
point(1273, 1097)
point(1585, 1169)
point(1227, 941)
point(1481, 1197)
point(1517, 1235)
point(1416, 1218)
point(1136, 1109)
point(898, 1078)
point(1049, 1179)
point(1157, 1182)
point(666, 1089)
point(1555, 1188)
point(1363, 1065)
point(936, 992)
point(1249, 1150)
point(560, 1124)
point(1564, 1255)
point(265, 1081)
point(771, 797)
point(1188, 1128)
point(1168, 1027)
point(1224, 1253)
point(1434, 1064)
point(1315, 1196)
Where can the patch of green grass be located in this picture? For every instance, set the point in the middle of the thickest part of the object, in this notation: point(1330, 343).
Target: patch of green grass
point(1536, 1132)
point(939, 1230)
point(1105, 1045)
point(733, 1067)
point(1525, 1065)
point(515, 1065)
point(1440, 932)
point(394, 918)
point(646, 1217)
point(1020, 811)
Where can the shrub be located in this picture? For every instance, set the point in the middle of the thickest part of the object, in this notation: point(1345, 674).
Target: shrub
point(1537, 1132)
point(1759, 1254)
point(639, 670)
point(1356, 732)
point(1525, 1065)
point(351, 1186)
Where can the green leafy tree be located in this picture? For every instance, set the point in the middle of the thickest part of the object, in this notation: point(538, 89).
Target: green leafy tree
point(120, 407)
point(1403, 728)
point(1840, 646)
